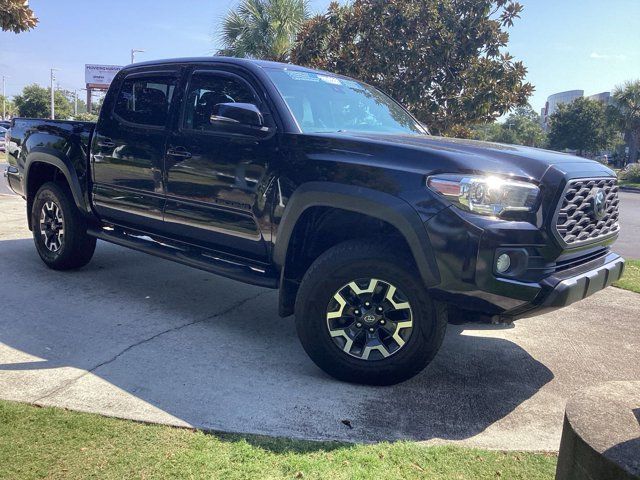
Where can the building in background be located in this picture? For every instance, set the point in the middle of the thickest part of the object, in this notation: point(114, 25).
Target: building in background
point(603, 97)
point(553, 101)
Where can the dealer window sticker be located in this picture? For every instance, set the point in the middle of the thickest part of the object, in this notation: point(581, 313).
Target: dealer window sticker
point(331, 80)
point(302, 76)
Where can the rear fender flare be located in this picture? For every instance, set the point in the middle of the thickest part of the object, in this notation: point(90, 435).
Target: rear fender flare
point(63, 164)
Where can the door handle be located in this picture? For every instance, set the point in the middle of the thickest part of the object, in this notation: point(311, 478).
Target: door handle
point(106, 143)
point(179, 152)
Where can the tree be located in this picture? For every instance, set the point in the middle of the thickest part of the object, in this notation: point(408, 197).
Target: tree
point(16, 16)
point(9, 107)
point(86, 117)
point(522, 127)
point(70, 95)
point(263, 29)
point(35, 101)
point(580, 125)
point(443, 59)
point(625, 111)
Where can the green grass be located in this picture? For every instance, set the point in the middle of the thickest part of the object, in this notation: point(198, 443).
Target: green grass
point(54, 443)
point(631, 278)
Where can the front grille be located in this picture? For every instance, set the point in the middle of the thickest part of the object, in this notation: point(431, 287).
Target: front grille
point(576, 221)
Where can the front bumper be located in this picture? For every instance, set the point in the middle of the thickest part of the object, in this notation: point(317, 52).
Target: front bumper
point(558, 291)
point(466, 253)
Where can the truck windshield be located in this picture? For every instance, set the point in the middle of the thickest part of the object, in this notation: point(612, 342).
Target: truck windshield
point(326, 103)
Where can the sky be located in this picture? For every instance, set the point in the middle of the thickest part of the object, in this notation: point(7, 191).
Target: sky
point(590, 45)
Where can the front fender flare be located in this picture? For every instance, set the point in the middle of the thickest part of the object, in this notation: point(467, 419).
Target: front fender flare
point(384, 206)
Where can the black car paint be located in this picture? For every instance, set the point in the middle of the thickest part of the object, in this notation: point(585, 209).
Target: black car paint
point(248, 192)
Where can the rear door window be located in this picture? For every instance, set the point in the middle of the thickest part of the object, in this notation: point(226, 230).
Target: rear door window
point(145, 101)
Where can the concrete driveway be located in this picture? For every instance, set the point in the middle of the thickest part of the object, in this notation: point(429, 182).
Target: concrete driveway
point(137, 337)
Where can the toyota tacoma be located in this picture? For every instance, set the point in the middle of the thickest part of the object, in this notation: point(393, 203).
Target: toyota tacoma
point(325, 188)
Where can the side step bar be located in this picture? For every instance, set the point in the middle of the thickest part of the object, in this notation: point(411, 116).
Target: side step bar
point(196, 258)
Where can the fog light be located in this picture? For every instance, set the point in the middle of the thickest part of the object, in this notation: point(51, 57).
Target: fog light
point(503, 263)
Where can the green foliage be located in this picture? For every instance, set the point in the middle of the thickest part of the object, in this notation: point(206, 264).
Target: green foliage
point(35, 101)
point(443, 59)
point(16, 16)
point(631, 174)
point(86, 117)
point(580, 125)
point(522, 127)
point(263, 29)
point(52, 443)
point(9, 107)
point(625, 112)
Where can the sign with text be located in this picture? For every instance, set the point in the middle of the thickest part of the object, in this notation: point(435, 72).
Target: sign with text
point(100, 75)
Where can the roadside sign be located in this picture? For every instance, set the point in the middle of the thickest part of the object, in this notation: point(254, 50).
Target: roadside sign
point(100, 76)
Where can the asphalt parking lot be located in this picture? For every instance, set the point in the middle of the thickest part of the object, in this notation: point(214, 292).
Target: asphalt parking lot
point(137, 337)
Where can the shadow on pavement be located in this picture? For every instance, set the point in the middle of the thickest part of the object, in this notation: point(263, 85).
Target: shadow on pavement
point(214, 353)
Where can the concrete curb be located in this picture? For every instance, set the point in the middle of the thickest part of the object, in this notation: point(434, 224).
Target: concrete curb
point(622, 188)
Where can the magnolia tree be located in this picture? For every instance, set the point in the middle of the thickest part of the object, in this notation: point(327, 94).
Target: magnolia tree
point(443, 59)
point(16, 16)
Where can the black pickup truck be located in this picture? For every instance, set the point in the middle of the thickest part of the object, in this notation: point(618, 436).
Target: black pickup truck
point(324, 188)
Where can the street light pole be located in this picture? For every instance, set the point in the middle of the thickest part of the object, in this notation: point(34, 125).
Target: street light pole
point(75, 103)
point(133, 54)
point(4, 98)
point(53, 107)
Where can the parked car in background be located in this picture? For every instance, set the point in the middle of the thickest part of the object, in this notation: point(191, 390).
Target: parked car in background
point(3, 132)
point(325, 188)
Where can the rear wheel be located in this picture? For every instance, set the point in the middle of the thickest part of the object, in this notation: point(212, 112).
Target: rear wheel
point(363, 315)
point(59, 230)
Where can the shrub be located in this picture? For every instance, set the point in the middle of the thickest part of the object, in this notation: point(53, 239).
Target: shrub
point(631, 173)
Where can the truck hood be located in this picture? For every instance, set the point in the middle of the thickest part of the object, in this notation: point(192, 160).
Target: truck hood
point(428, 153)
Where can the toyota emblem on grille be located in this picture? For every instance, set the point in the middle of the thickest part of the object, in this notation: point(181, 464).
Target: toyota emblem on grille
point(599, 203)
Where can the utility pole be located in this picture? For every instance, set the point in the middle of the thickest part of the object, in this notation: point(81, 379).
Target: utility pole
point(53, 107)
point(75, 103)
point(133, 54)
point(4, 97)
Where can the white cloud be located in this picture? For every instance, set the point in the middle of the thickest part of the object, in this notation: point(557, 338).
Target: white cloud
point(600, 56)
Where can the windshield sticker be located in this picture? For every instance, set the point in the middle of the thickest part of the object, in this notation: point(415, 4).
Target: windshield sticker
point(331, 80)
point(302, 76)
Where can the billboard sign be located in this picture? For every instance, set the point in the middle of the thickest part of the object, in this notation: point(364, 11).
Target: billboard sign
point(98, 76)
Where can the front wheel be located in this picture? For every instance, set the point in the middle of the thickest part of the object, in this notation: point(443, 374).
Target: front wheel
point(59, 231)
point(363, 315)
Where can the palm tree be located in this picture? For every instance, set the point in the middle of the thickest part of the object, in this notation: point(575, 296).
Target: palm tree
point(263, 29)
point(626, 103)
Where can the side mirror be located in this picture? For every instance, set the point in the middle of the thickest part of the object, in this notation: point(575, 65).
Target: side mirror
point(240, 114)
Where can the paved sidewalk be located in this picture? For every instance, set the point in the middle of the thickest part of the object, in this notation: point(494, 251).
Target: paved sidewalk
point(137, 337)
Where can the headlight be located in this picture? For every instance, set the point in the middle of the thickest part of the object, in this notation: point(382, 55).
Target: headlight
point(486, 195)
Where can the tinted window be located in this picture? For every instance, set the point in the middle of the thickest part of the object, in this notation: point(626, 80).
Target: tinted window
point(145, 101)
point(206, 91)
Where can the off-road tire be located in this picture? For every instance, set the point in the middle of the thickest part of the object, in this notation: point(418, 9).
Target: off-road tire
point(337, 267)
point(75, 246)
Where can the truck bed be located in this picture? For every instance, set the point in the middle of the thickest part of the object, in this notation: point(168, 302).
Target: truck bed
point(68, 139)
